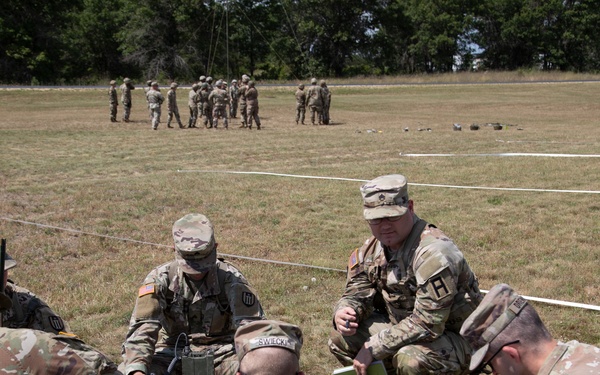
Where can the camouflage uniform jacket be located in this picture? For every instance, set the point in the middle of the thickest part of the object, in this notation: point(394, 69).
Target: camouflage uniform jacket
point(112, 95)
point(300, 99)
point(326, 96)
point(572, 358)
point(314, 94)
point(29, 311)
point(219, 98)
point(155, 98)
point(204, 103)
point(242, 93)
point(252, 97)
point(126, 93)
point(172, 100)
point(27, 351)
point(193, 99)
point(234, 93)
point(425, 288)
point(169, 304)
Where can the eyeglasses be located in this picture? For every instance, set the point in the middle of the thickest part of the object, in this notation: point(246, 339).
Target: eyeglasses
point(378, 221)
point(489, 361)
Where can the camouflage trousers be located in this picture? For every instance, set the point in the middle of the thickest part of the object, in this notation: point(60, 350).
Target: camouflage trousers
point(252, 114)
point(233, 108)
point(325, 115)
point(207, 113)
point(126, 111)
point(225, 361)
point(300, 113)
point(113, 112)
point(316, 110)
point(193, 117)
point(155, 117)
point(220, 112)
point(174, 112)
point(243, 109)
point(448, 354)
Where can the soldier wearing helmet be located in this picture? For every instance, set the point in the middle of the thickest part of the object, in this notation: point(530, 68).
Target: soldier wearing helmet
point(242, 95)
point(209, 80)
point(202, 79)
point(146, 89)
point(314, 96)
point(219, 99)
point(155, 100)
point(233, 98)
point(206, 105)
point(113, 101)
point(300, 104)
point(196, 294)
point(326, 102)
point(252, 103)
point(126, 88)
point(172, 108)
point(193, 101)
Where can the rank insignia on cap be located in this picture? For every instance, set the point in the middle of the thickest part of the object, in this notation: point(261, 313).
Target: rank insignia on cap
point(353, 261)
point(146, 289)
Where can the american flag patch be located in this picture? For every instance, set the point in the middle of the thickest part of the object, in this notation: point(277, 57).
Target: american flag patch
point(146, 289)
point(353, 261)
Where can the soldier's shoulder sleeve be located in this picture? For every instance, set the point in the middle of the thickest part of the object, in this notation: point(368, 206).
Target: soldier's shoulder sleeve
point(242, 298)
point(361, 258)
point(151, 295)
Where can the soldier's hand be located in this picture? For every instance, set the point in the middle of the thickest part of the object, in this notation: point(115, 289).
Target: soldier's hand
point(362, 361)
point(346, 321)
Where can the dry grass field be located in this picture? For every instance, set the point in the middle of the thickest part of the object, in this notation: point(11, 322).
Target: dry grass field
point(65, 165)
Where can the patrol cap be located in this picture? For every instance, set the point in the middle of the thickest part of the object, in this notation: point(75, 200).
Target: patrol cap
point(233, 81)
point(251, 83)
point(195, 86)
point(195, 247)
point(323, 83)
point(495, 312)
point(112, 82)
point(267, 333)
point(385, 196)
point(313, 81)
point(204, 85)
point(9, 262)
point(126, 80)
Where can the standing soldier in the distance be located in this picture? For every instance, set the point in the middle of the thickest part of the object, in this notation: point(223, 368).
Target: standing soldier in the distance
point(233, 98)
point(206, 106)
point(126, 88)
point(146, 89)
point(315, 101)
point(300, 104)
point(326, 102)
point(210, 85)
point(113, 100)
point(193, 100)
point(252, 102)
point(172, 106)
point(242, 96)
point(219, 99)
point(201, 80)
point(155, 100)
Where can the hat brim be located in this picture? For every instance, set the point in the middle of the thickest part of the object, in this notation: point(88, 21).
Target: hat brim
point(477, 357)
point(381, 212)
point(195, 267)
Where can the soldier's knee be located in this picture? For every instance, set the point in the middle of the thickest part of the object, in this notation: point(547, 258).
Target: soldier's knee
point(411, 360)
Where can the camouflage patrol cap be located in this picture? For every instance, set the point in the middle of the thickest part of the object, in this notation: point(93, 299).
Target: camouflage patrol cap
point(233, 81)
point(219, 83)
point(195, 245)
point(251, 83)
point(313, 81)
point(195, 86)
point(204, 85)
point(112, 82)
point(495, 312)
point(245, 79)
point(126, 80)
point(267, 333)
point(323, 83)
point(385, 196)
point(174, 85)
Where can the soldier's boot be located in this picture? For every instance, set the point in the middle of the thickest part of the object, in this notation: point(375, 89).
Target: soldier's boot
point(169, 125)
point(257, 126)
point(181, 126)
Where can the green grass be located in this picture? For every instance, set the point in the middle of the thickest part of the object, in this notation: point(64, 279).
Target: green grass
point(64, 164)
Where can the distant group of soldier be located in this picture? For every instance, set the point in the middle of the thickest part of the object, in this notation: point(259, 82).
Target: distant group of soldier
point(318, 100)
point(205, 100)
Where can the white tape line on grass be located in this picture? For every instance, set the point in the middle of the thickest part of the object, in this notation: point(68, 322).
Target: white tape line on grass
point(506, 154)
point(543, 300)
point(410, 183)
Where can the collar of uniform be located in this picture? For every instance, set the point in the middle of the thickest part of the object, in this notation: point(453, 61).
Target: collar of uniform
point(208, 287)
point(553, 358)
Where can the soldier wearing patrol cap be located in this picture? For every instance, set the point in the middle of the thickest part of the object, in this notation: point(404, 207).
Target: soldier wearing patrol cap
point(197, 294)
point(242, 95)
point(507, 334)
point(28, 310)
point(233, 98)
point(407, 293)
point(113, 101)
point(268, 347)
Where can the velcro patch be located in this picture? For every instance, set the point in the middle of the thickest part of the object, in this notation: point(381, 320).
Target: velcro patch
point(353, 260)
point(438, 287)
point(146, 289)
point(248, 299)
point(56, 322)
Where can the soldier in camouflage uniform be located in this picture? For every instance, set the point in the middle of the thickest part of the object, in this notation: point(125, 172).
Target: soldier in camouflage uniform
point(113, 100)
point(252, 105)
point(193, 103)
point(242, 94)
point(172, 108)
point(300, 104)
point(268, 347)
point(233, 98)
point(206, 106)
point(507, 334)
point(28, 310)
point(155, 100)
point(219, 99)
point(146, 90)
point(197, 294)
point(314, 96)
point(326, 102)
point(126, 88)
point(408, 291)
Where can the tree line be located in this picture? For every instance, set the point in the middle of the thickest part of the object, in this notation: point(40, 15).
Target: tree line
point(68, 41)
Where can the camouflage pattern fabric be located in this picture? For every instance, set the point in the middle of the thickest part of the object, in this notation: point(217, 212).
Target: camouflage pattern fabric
point(267, 333)
point(572, 358)
point(314, 95)
point(326, 104)
point(300, 106)
point(233, 99)
point(252, 107)
point(113, 103)
point(219, 99)
point(206, 108)
point(27, 351)
point(173, 109)
point(243, 107)
point(426, 290)
point(29, 311)
point(126, 99)
point(209, 311)
point(193, 101)
point(155, 100)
